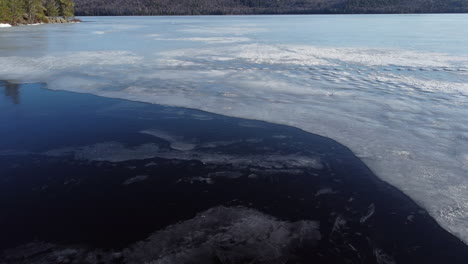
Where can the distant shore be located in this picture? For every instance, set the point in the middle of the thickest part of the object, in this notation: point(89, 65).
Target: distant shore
point(266, 14)
point(251, 7)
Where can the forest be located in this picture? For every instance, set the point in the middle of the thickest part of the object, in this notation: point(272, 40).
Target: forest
point(44, 11)
point(237, 7)
point(17, 12)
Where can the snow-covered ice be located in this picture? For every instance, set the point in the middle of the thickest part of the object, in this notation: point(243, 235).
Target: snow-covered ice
point(396, 95)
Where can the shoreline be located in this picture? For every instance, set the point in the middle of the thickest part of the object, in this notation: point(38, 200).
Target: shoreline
point(50, 20)
point(273, 14)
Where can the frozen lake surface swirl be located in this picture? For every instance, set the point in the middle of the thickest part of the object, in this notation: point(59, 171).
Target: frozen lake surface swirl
point(392, 88)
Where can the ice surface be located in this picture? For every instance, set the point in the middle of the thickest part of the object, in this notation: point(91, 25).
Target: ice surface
point(135, 179)
point(394, 94)
point(226, 234)
point(370, 212)
point(118, 152)
point(177, 142)
point(212, 40)
point(383, 258)
point(233, 235)
point(324, 191)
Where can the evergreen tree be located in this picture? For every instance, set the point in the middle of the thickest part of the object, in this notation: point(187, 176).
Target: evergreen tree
point(11, 11)
point(34, 10)
point(52, 8)
point(17, 10)
point(5, 14)
point(66, 8)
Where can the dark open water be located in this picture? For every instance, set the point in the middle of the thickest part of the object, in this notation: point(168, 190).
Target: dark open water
point(83, 179)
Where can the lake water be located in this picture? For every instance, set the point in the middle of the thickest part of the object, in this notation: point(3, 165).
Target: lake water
point(392, 88)
point(86, 178)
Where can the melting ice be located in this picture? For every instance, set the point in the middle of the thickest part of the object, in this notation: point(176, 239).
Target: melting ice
point(391, 88)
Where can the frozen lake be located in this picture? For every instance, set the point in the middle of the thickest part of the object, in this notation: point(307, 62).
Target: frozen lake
point(392, 88)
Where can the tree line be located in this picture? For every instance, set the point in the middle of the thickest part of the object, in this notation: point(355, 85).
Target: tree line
point(235, 7)
point(34, 11)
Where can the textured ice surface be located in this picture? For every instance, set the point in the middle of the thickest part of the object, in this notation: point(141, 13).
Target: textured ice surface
point(176, 141)
point(232, 235)
point(135, 179)
point(218, 235)
point(395, 93)
point(117, 152)
point(211, 40)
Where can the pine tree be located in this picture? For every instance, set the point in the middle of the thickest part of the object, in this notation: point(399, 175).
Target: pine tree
point(13, 11)
point(34, 10)
point(5, 14)
point(66, 8)
point(52, 8)
point(17, 10)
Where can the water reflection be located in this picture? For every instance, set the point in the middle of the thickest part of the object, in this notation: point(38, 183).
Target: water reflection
point(11, 90)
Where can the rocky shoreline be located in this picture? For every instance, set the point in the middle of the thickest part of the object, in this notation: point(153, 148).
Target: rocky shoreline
point(46, 20)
